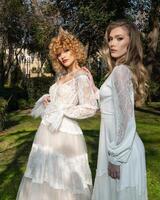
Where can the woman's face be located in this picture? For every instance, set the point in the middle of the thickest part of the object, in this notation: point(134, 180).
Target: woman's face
point(66, 58)
point(118, 42)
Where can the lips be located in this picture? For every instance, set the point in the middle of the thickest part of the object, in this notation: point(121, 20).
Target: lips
point(113, 50)
point(65, 60)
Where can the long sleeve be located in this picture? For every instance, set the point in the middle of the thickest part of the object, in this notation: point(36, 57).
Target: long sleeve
point(125, 127)
point(87, 102)
point(85, 105)
point(39, 108)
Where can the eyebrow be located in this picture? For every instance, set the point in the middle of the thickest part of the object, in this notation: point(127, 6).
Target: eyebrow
point(117, 36)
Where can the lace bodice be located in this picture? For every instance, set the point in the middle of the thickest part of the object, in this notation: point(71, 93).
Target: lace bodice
point(73, 99)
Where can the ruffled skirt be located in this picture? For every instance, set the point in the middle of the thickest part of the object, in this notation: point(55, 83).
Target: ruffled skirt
point(57, 168)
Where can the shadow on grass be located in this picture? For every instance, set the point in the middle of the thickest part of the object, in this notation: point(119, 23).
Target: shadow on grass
point(155, 112)
point(154, 107)
point(15, 121)
point(150, 141)
point(11, 123)
point(10, 177)
point(92, 140)
point(17, 133)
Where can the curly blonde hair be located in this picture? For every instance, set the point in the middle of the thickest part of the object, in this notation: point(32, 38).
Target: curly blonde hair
point(133, 59)
point(66, 40)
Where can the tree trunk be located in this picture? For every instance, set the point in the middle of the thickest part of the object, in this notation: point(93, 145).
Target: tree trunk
point(2, 57)
point(151, 58)
point(9, 64)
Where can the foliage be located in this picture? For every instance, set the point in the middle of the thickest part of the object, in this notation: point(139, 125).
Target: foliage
point(36, 87)
point(154, 90)
point(13, 18)
point(13, 95)
point(89, 19)
point(23, 104)
point(47, 69)
point(31, 25)
point(21, 27)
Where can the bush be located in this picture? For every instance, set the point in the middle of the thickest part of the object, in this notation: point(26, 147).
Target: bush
point(31, 103)
point(154, 91)
point(23, 104)
point(14, 94)
point(36, 87)
point(3, 106)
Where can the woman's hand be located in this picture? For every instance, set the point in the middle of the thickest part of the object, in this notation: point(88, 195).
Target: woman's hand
point(46, 100)
point(114, 171)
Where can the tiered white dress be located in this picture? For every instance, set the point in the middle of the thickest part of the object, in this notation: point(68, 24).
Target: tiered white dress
point(119, 142)
point(58, 166)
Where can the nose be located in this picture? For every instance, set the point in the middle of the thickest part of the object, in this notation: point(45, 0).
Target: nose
point(62, 55)
point(112, 43)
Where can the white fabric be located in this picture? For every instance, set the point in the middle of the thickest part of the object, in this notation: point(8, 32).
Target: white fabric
point(58, 162)
point(119, 142)
point(39, 108)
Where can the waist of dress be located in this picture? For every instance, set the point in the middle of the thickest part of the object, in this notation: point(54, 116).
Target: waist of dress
point(56, 107)
point(70, 126)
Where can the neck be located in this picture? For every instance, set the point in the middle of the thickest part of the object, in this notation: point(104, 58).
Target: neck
point(74, 67)
point(120, 60)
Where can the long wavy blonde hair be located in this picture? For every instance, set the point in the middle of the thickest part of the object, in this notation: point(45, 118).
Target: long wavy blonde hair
point(63, 41)
point(133, 59)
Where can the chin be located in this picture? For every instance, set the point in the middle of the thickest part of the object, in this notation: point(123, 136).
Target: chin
point(66, 65)
point(114, 56)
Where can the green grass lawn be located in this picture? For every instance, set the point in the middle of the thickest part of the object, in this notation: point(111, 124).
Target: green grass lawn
point(16, 141)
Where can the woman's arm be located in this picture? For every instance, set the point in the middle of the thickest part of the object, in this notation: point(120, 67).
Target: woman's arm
point(87, 102)
point(125, 127)
point(38, 110)
point(86, 107)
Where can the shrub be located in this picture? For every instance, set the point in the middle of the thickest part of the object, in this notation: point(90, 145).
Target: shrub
point(154, 91)
point(13, 94)
point(38, 86)
point(23, 104)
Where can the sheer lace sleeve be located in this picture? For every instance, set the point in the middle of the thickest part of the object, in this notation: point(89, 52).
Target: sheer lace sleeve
point(87, 102)
point(39, 108)
point(125, 127)
point(94, 88)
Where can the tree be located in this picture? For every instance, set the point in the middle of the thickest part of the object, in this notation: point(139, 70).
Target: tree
point(13, 30)
point(24, 24)
point(88, 19)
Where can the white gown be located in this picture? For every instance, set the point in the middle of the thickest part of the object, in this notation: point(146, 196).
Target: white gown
point(119, 142)
point(58, 167)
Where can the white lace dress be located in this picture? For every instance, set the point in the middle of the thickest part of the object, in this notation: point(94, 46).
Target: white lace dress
point(58, 167)
point(119, 142)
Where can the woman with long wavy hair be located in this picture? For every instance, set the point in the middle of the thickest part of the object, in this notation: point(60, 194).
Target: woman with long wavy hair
point(121, 169)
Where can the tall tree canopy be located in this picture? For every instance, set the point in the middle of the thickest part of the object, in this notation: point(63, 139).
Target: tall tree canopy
point(30, 24)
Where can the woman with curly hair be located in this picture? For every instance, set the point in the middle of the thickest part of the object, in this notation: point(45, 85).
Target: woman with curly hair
point(58, 167)
point(121, 170)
